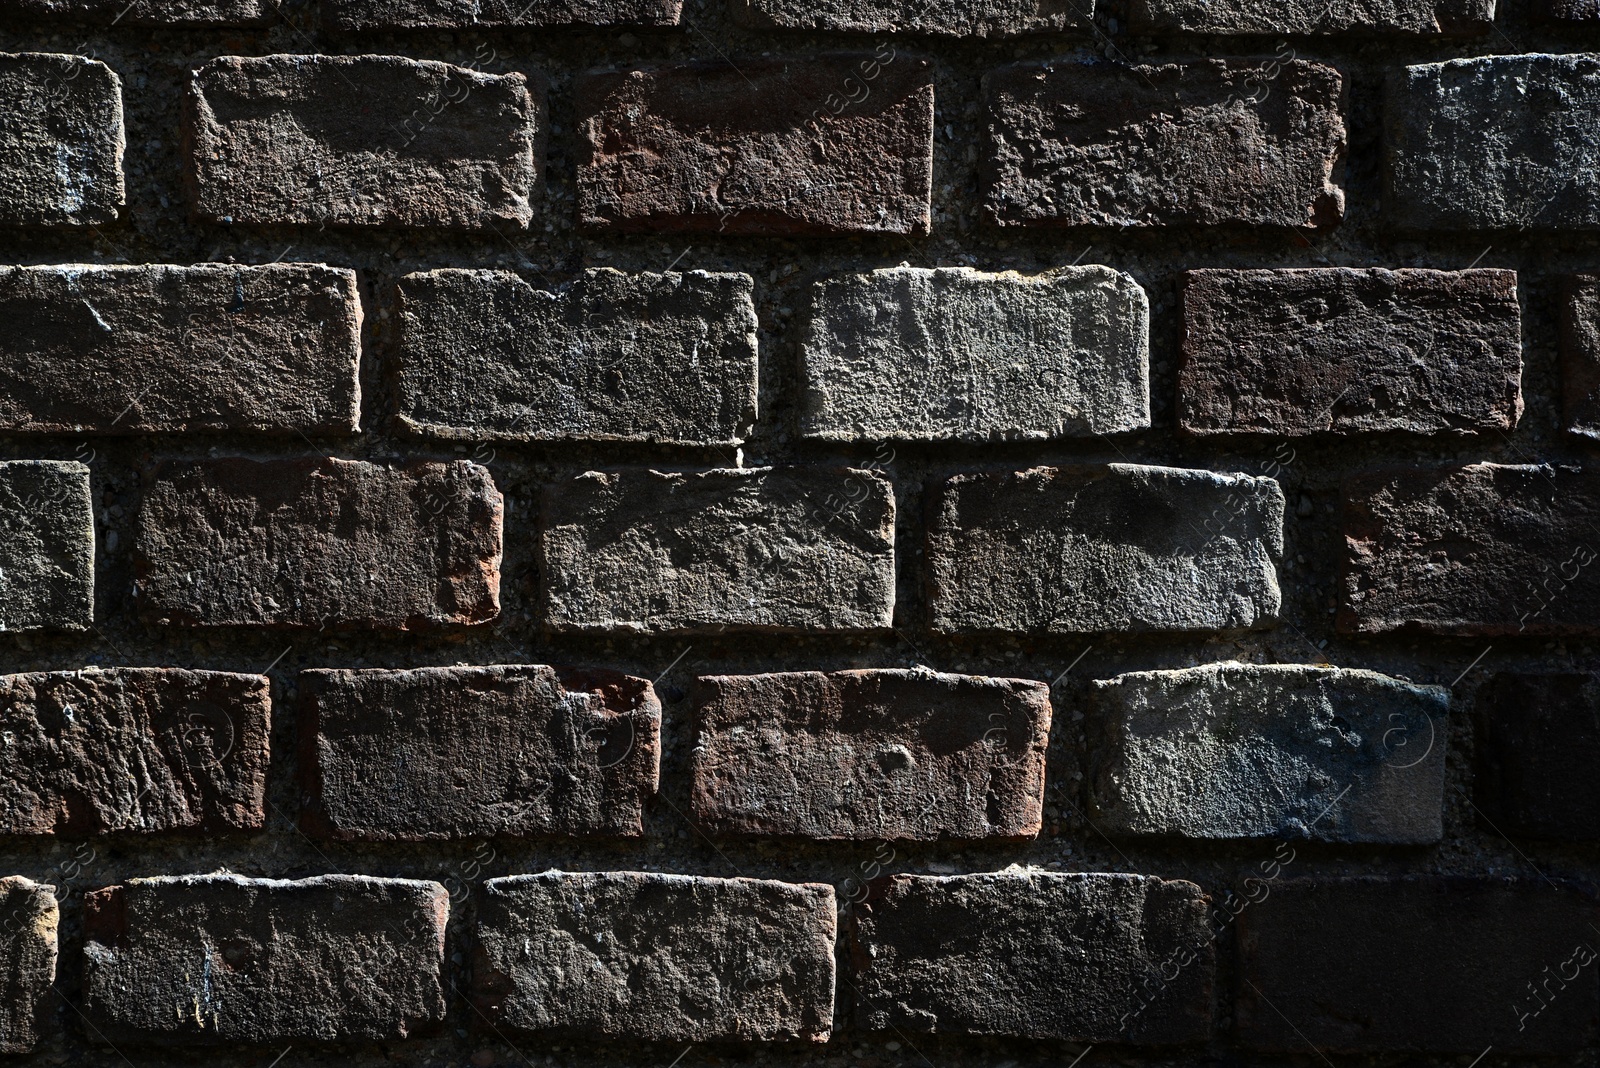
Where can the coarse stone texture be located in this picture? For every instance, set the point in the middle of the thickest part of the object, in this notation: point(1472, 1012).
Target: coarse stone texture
point(1278, 751)
point(950, 18)
point(1483, 549)
point(1431, 964)
point(1275, 18)
point(1568, 10)
point(61, 140)
point(870, 755)
point(46, 546)
point(30, 918)
point(1496, 143)
point(1345, 351)
point(319, 542)
point(217, 960)
point(158, 349)
point(612, 357)
point(952, 353)
point(1203, 143)
point(1580, 355)
point(362, 141)
point(105, 15)
point(775, 549)
point(1115, 548)
point(1538, 744)
point(665, 958)
point(351, 15)
point(822, 144)
point(463, 752)
point(133, 750)
point(1079, 957)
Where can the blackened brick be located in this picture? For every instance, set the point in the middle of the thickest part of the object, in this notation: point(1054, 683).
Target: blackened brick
point(1538, 744)
point(46, 546)
point(1312, 17)
point(665, 958)
point(319, 542)
point(461, 752)
point(29, 920)
point(870, 755)
point(136, 750)
point(758, 146)
point(489, 14)
point(1568, 10)
point(1428, 964)
point(61, 141)
point(1580, 355)
point(953, 18)
point(107, 14)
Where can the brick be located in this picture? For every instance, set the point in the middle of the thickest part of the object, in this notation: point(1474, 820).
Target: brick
point(1240, 751)
point(953, 353)
point(46, 546)
point(1580, 354)
point(1490, 144)
point(139, 750)
point(356, 15)
point(1344, 351)
point(950, 18)
point(1204, 143)
point(1455, 18)
point(612, 357)
point(1482, 549)
point(61, 141)
point(362, 141)
point(758, 146)
point(774, 549)
point(1538, 743)
point(1035, 955)
point(1568, 10)
point(463, 752)
point(870, 755)
point(108, 14)
point(319, 542)
point(1426, 964)
point(28, 941)
point(210, 960)
point(1116, 548)
point(157, 349)
point(665, 958)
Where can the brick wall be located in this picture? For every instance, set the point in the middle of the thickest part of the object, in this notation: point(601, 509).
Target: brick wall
point(860, 532)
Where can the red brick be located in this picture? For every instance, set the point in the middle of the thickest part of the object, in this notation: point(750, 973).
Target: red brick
point(355, 15)
point(61, 141)
point(29, 923)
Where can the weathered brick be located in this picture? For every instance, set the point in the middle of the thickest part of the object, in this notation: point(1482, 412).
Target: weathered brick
point(1110, 548)
point(666, 958)
point(108, 14)
point(29, 918)
point(1202, 143)
point(1429, 964)
point(952, 353)
point(219, 959)
point(61, 140)
point(156, 349)
point(758, 146)
point(1477, 550)
point(870, 755)
point(461, 752)
point(46, 546)
point(318, 542)
point(953, 18)
point(1079, 957)
point(1269, 751)
point(362, 141)
point(353, 15)
point(612, 357)
point(1568, 10)
point(133, 750)
point(1459, 18)
point(1580, 354)
point(1345, 351)
point(1501, 142)
point(1538, 744)
point(785, 549)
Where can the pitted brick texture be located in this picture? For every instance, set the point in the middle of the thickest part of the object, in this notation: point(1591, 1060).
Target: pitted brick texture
point(62, 141)
point(952, 18)
point(47, 546)
point(1312, 17)
point(30, 920)
point(354, 15)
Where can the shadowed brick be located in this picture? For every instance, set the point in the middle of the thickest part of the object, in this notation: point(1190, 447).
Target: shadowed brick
point(61, 141)
point(1580, 355)
point(46, 546)
point(1538, 744)
point(1457, 18)
point(1568, 10)
point(953, 18)
point(488, 14)
point(106, 15)
point(29, 918)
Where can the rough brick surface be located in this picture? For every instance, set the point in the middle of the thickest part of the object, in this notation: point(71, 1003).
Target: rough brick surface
point(29, 919)
point(1538, 744)
point(1312, 17)
point(362, 141)
point(1179, 144)
point(486, 14)
point(953, 353)
point(758, 146)
point(1531, 165)
point(955, 18)
point(319, 542)
point(453, 753)
point(1113, 548)
point(1568, 10)
point(613, 357)
point(792, 548)
point(666, 958)
point(46, 546)
point(103, 15)
point(870, 755)
point(220, 959)
point(152, 349)
point(1269, 751)
point(1580, 355)
point(1035, 955)
point(133, 750)
point(1480, 550)
point(1431, 964)
point(1345, 351)
point(61, 141)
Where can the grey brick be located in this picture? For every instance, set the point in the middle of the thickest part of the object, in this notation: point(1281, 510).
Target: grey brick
point(61, 141)
point(951, 18)
point(46, 546)
point(1456, 18)
point(1580, 355)
point(104, 15)
point(355, 15)
point(31, 920)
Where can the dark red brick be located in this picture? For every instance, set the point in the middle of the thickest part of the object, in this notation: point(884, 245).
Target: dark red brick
point(1538, 747)
point(1580, 355)
point(29, 922)
point(354, 15)
point(61, 141)
point(102, 15)
point(952, 18)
